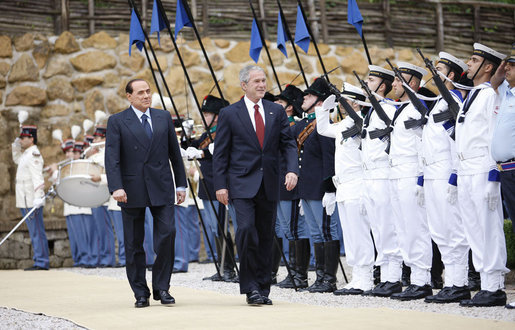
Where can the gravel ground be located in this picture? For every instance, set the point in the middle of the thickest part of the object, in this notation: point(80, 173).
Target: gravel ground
point(14, 319)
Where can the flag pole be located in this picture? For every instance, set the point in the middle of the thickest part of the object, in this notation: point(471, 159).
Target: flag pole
point(313, 40)
point(264, 45)
point(190, 16)
point(288, 33)
point(365, 45)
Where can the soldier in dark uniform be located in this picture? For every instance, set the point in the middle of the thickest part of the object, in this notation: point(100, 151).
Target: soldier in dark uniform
point(289, 221)
point(316, 188)
point(202, 149)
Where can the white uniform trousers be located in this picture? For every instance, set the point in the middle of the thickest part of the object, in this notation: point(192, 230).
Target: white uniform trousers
point(412, 229)
point(446, 228)
point(359, 247)
point(379, 212)
point(484, 230)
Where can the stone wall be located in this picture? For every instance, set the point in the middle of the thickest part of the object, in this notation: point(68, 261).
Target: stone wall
point(62, 80)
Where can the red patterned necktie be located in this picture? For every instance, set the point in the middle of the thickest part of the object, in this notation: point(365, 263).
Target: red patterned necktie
point(260, 126)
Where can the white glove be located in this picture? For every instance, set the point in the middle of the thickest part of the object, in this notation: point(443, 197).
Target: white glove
point(493, 194)
point(329, 202)
point(211, 148)
point(452, 194)
point(420, 196)
point(38, 202)
point(301, 209)
point(183, 153)
point(329, 103)
point(193, 152)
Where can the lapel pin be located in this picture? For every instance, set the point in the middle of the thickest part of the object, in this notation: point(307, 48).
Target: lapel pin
point(271, 113)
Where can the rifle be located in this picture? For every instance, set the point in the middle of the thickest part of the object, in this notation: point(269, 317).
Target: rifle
point(358, 121)
point(453, 106)
point(421, 108)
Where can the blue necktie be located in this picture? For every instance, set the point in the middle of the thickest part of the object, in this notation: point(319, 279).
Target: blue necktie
point(146, 126)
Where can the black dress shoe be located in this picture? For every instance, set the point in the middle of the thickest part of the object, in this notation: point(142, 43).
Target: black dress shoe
point(348, 292)
point(486, 299)
point(385, 289)
point(267, 301)
point(449, 295)
point(254, 298)
point(510, 305)
point(413, 292)
point(35, 268)
point(164, 296)
point(216, 277)
point(324, 287)
point(141, 302)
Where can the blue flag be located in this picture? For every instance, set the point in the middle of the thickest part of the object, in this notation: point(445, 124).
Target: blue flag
point(354, 16)
point(157, 24)
point(281, 36)
point(255, 42)
point(136, 34)
point(301, 32)
point(181, 18)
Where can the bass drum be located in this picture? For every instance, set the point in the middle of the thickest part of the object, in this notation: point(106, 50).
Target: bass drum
point(74, 185)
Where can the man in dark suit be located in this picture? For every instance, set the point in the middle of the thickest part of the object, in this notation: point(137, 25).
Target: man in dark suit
point(253, 135)
point(140, 144)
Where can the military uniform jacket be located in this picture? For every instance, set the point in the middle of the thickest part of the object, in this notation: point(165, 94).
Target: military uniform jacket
point(206, 166)
point(374, 156)
point(29, 175)
point(348, 167)
point(438, 154)
point(405, 145)
point(316, 163)
point(474, 133)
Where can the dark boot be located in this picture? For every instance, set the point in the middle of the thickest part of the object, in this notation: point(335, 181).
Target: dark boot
point(332, 256)
point(216, 277)
point(436, 268)
point(288, 281)
point(229, 273)
point(303, 255)
point(276, 259)
point(474, 277)
point(406, 273)
point(319, 265)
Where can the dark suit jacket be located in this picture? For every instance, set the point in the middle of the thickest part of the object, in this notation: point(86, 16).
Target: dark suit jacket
point(239, 164)
point(139, 165)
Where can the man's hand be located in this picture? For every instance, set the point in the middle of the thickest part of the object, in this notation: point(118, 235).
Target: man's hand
point(194, 153)
point(499, 76)
point(95, 178)
point(222, 195)
point(120, 196)
point(291, 181)
point(181, 196)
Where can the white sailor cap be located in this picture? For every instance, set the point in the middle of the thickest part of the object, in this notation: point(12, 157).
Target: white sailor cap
point(411, 69)
point(353, 92)
point(488, 53)
point(380, 72)
point(453, 62)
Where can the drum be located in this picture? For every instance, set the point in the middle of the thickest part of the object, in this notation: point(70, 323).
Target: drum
point(74, 185)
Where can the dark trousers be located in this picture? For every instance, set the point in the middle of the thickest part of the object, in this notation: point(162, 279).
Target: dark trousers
point(164, 240)
point(508, 192)
point(254, 239)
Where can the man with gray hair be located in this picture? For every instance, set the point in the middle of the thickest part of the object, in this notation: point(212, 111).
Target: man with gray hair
point(253, 136)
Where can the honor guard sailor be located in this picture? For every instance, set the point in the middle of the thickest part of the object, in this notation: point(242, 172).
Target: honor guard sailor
point(479, 195)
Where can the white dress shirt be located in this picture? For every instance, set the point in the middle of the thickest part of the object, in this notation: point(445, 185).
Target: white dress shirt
point(250, 109)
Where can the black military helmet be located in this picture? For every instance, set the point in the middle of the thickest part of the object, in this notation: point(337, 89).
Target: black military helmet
point(294, 97)
point(213, 104)
point(30, 131)
point(319, 88)
point(269, 97)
